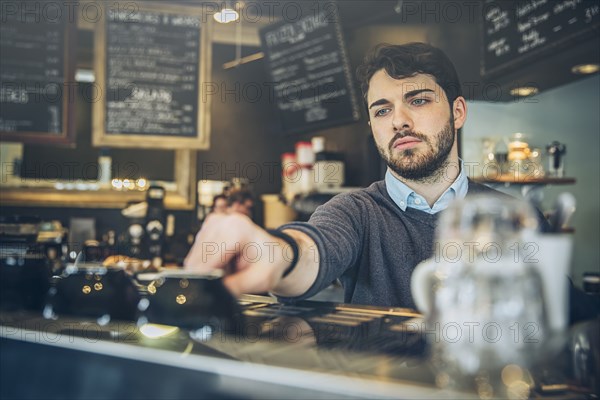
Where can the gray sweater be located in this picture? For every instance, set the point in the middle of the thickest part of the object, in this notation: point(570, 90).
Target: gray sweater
point(371, 245)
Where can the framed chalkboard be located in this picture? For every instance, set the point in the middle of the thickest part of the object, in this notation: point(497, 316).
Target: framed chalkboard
point(516, 32)
point(151, 62)
point(308, 66)
point(37, 85)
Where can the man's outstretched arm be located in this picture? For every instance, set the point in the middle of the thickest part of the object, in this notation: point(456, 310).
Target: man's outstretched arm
point(254, 261)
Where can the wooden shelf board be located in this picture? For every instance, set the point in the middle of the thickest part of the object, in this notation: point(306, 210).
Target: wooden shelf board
point(510, 179)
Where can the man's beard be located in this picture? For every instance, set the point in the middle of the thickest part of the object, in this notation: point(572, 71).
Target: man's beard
point(416, 165)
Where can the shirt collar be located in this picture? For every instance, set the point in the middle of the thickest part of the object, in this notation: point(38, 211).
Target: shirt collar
point(405, 197)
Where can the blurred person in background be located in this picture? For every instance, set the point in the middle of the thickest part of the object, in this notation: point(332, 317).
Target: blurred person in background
point(241, 201)
point(219, 204)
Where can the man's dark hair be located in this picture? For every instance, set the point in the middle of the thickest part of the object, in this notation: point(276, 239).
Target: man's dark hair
point(402, 61)
point(239, 196)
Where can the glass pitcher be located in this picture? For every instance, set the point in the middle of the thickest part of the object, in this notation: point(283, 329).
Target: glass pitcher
point(483, 302)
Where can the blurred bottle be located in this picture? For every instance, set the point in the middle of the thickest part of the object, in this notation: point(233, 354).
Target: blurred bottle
point(289, 176)
point(591, 283)
point(490, 168)
point(328, 169)
point(535, 163)
point(318, 145)
point(169, 245)
point(305, 157)
point(155, 223)
point(110, 244)
point(104, 167)
point(556, 160)
point(518, 156)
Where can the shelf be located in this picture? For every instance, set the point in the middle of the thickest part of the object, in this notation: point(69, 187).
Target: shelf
point(510, 180)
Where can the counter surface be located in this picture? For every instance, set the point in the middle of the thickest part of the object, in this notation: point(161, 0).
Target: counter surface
point(304, 350)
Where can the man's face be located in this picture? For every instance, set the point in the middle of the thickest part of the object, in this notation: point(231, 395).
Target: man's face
point(412, 124)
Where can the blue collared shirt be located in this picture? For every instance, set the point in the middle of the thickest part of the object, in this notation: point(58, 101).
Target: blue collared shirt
point(405, 197)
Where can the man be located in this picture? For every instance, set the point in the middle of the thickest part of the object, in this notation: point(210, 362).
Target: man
point(373, 238)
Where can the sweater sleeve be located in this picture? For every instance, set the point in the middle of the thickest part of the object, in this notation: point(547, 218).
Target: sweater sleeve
point(335, 227)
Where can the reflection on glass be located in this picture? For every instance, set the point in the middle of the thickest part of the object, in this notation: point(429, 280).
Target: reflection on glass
point(180, 299)
point(156, 331)
point(151, 288)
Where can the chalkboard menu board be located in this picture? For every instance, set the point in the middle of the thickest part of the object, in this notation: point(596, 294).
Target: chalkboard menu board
point(518, 31)
point(151, 61)
point(36, 74)
point(309, 70)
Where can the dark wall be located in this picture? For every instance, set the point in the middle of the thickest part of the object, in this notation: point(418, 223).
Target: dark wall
point(245, 141)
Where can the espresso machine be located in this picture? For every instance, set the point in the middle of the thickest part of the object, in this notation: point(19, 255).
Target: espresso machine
point(155, 221)
point(144, 237)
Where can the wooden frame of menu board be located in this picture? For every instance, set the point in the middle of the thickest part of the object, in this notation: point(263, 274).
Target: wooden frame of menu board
point(35, 108)
point(150, 63)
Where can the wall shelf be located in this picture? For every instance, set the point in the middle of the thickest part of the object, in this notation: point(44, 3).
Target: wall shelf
point(512, 180)
point(529, 188)
point(181, 192)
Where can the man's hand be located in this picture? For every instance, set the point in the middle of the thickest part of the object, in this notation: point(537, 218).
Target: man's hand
point(253, 260)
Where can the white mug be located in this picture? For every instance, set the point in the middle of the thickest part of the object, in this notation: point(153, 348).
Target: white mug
point(550, 255)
